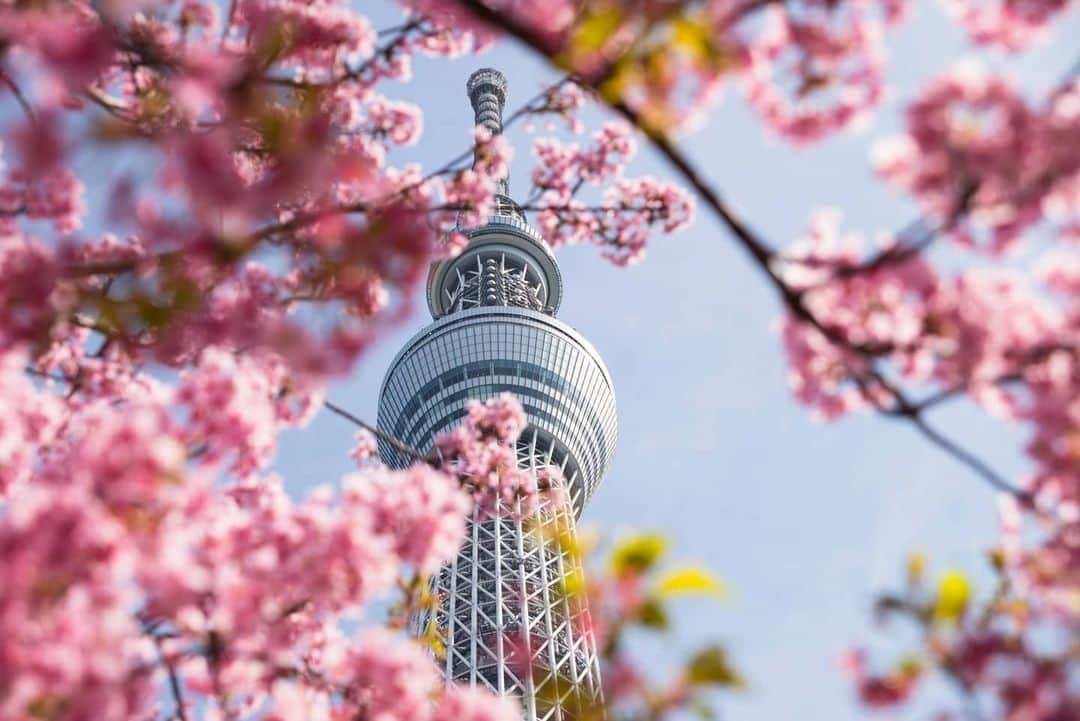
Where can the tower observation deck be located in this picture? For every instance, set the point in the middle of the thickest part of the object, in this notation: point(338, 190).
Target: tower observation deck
point(503, 615)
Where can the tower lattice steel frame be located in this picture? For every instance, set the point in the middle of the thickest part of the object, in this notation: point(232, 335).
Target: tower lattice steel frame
point(504, 616)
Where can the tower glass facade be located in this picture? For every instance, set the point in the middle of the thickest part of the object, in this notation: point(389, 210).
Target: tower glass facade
point(506, 613)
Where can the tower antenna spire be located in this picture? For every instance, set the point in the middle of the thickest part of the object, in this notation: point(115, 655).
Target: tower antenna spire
point(487, 89)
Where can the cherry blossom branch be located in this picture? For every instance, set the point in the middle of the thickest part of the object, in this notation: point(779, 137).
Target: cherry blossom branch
point(980, 467)
point(560, 209)
point(244, 246)
point(19, 97)
point(400, 33)
point(906, 410)
point(894, 254)
point(1029, 358)
point(174, 680)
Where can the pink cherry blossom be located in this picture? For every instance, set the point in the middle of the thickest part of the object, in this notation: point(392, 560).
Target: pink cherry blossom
point(878, 691)
point(835, 55)
point(561, 167)
point(230, 413)
point(481, 453)
point(73, 43)
point(366, 449)
point(388, 675)
point(71, 645)
point(883, 309)
point(629, 210)
point(473, 194)
point(422, 509)
point(460, 703)
point(28, 421)
point(30, 274)
point(973, 126)
point(641, 203)
point(399, 122)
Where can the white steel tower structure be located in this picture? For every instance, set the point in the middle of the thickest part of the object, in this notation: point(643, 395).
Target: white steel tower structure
point(504, 616)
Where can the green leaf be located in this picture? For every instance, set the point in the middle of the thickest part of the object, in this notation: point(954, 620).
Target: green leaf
point(652, 615)
point(691, 580)
point(637, 554)
point(702, 709)
point(710, 666)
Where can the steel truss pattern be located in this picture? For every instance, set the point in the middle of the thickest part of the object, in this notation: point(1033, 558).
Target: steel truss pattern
point(494, 280)
point(508, 617)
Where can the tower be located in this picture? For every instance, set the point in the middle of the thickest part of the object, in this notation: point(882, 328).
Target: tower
point(506, 615)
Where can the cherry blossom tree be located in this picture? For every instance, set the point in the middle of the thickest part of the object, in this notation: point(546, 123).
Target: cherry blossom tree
point(154, 568)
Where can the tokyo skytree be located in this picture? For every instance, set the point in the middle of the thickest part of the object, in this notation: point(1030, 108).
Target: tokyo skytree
point(503, 613)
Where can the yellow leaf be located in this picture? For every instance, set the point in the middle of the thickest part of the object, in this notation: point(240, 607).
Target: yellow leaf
point(909, 667)
point(594, 30)
point(573, 583)
point(691, 35)
point(916, 564)
point(710, 666)
point(997, 559)
point(953, 594)
point(691, 580)
point(652, 615)
point(625, 74)
point(433, 639)
point(637, 554)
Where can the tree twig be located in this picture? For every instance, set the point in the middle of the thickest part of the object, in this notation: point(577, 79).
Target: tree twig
point(19, 97)
point(174, 679)
point(386, 438)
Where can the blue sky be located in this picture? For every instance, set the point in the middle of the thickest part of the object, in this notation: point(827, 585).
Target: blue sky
point(805, 521)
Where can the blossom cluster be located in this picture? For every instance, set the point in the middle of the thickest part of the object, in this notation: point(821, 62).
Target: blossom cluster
point(482, 454)
point(276, 194)
point(1016, 662)
point(974, 147)
point(629, 208)
point(140, 538)
point(891, 330)
point(809, 68)
point(835, 60)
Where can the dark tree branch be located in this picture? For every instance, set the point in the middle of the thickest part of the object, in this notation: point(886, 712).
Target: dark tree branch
point(174, 680)
point(916, 237)
point(19, 97)
point(390, 440)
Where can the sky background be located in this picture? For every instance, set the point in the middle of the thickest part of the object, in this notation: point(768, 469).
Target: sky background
point(805, 521)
